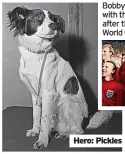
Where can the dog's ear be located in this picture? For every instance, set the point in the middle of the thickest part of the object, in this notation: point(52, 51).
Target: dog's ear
point(17, 19)
point(61, 23)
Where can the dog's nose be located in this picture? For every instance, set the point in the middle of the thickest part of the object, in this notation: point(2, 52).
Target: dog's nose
point(53, 26)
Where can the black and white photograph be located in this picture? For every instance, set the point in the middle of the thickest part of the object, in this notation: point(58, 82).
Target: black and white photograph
point(50, 77)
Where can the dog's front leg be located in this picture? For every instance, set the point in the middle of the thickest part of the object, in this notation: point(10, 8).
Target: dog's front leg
point(48, 99)
point(36, 109)
point(36, 119)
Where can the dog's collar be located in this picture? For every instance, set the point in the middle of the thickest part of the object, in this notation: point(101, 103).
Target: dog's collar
point(39, 51)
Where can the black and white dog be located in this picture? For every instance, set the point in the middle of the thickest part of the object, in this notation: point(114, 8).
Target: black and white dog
point(59, 103)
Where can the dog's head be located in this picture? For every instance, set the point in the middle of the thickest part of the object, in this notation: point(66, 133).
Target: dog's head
point(36, 21)
point(35, 27)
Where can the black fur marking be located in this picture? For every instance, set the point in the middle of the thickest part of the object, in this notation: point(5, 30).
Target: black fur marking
point(59, 23)
point(24, 21)
point(34, 20)
point(71, 87)
point(17, 19)
point(52, 17)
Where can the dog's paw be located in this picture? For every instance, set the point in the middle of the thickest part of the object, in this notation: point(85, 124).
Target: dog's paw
point(62, 136)
point(42, 142)
point(32, 132)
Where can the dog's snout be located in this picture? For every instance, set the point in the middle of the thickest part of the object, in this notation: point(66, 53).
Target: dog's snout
point(53, 26)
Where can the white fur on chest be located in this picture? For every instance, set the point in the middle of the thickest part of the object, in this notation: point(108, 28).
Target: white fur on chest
point(30, 63)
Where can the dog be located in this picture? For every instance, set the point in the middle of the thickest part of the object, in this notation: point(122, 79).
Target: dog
point(58, 100)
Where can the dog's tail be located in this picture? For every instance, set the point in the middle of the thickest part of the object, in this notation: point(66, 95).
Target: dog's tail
point(99, 118)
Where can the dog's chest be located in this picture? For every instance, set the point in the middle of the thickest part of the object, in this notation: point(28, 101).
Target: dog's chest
point(32, 67)
point(30, 64)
